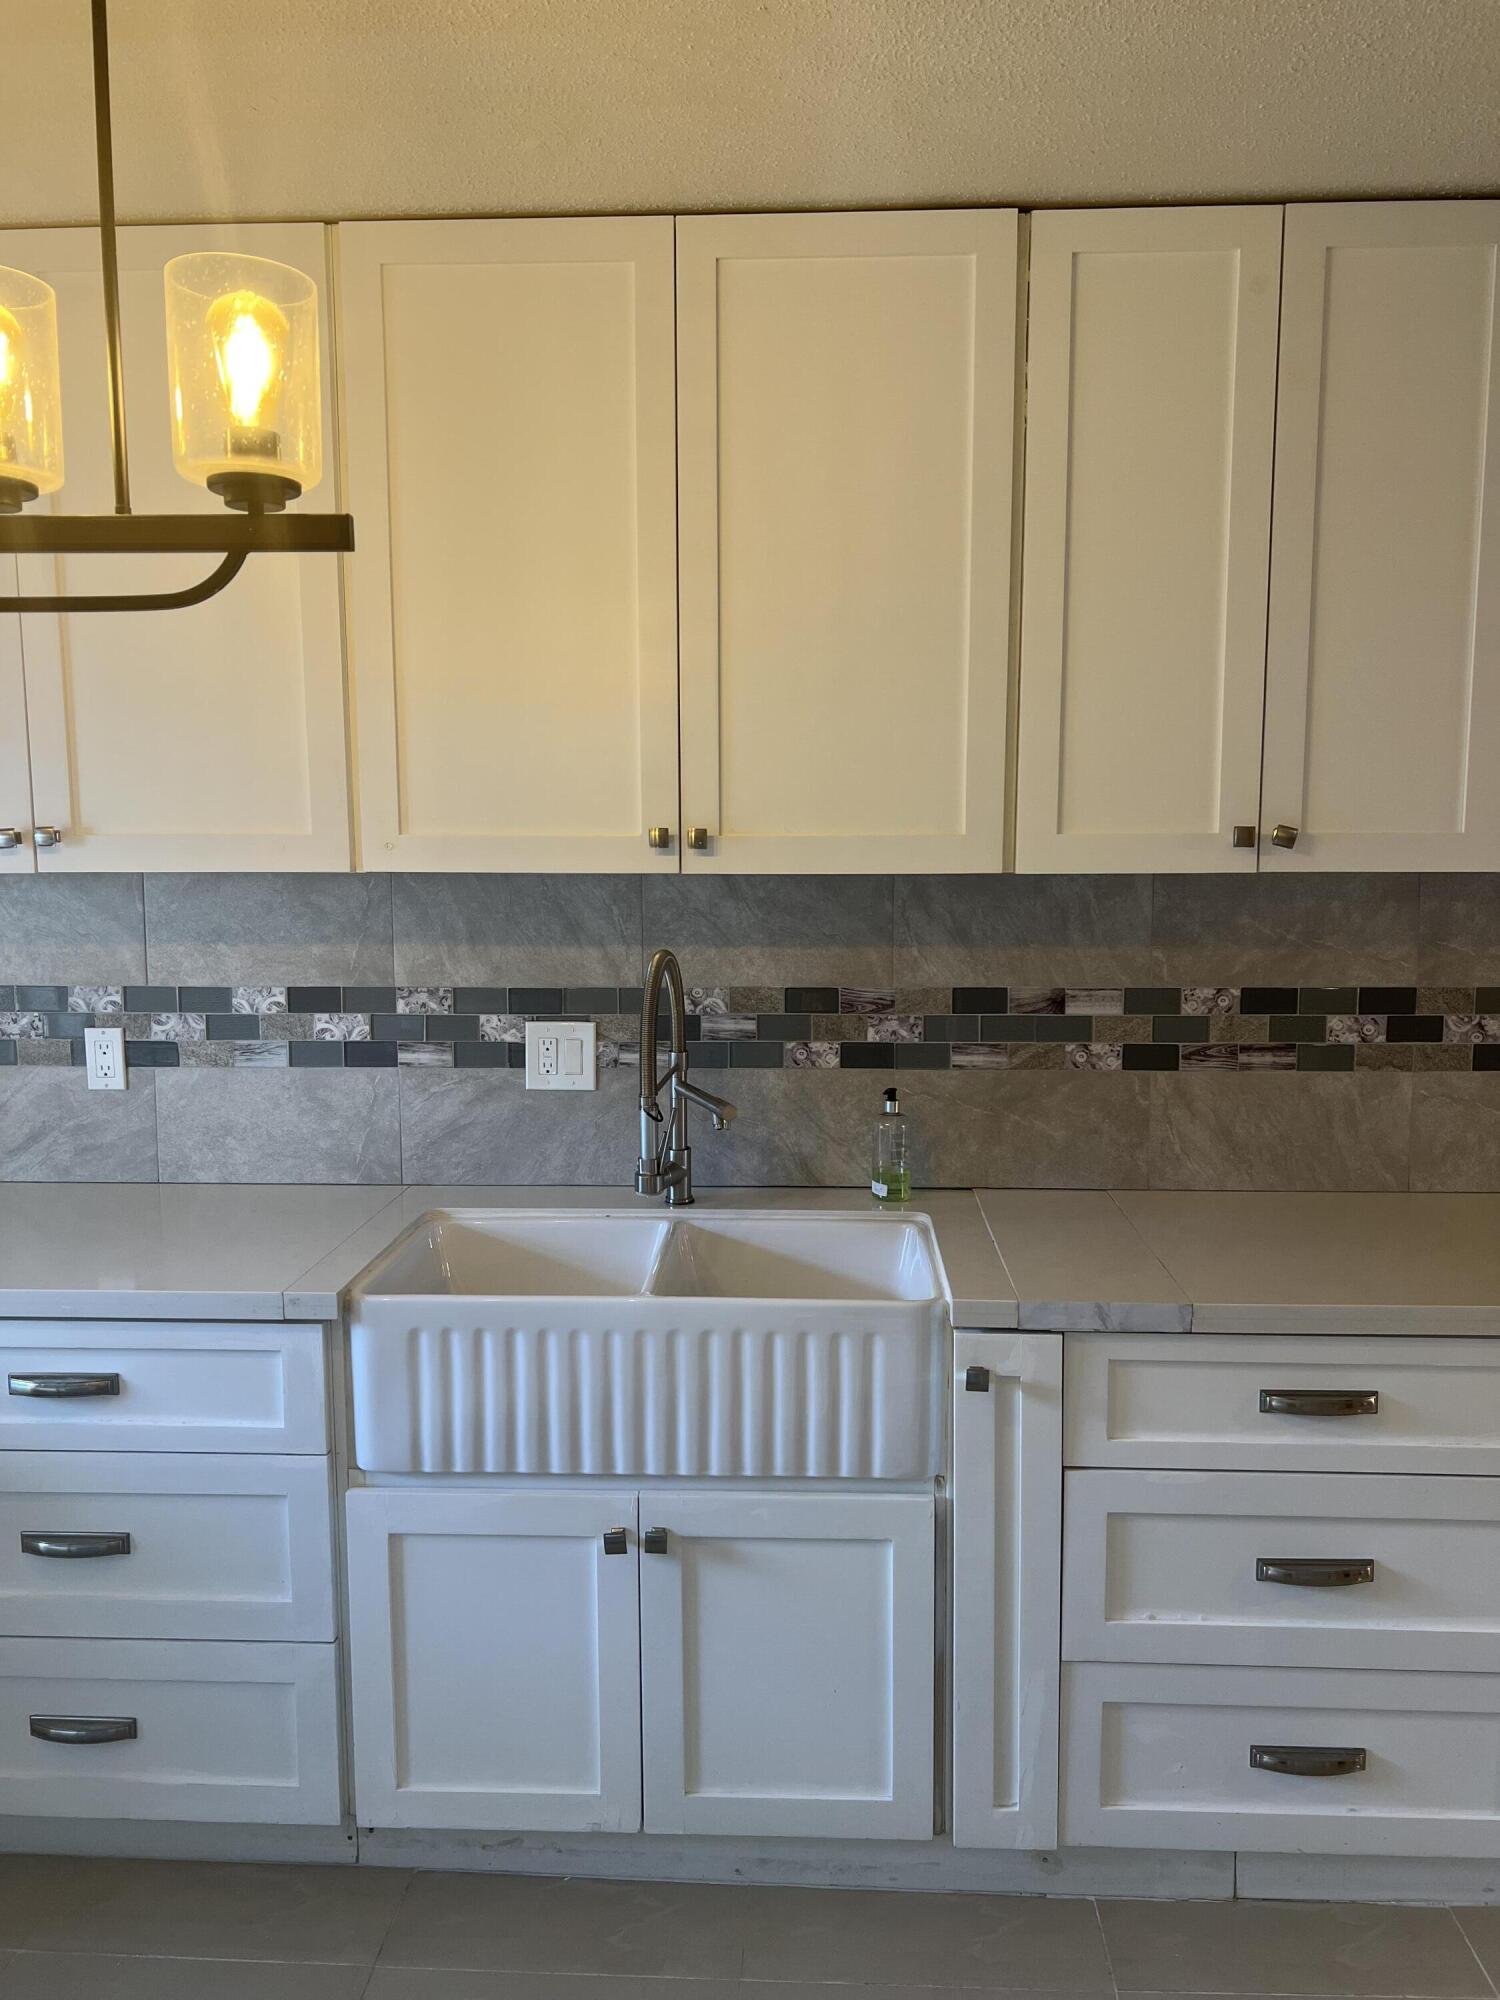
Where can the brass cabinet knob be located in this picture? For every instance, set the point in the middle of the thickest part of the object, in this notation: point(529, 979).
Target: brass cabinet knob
point(1284, 836)
point(1246, 836)
point(697, 836)
point(660, 837)
point(47, 836)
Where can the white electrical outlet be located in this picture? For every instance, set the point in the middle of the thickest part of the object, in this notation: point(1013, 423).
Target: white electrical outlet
point(560, 1055)
point(104, 1049)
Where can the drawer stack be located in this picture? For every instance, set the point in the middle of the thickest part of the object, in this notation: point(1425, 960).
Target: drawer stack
point(1281, 1600)
point(166, 1573)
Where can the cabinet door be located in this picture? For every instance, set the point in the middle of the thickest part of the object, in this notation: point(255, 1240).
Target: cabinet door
point(495, 1660)
point(787, 1663)
point(1150, 416)
point(1383, 679)
point(509, 428)
point(15, 767)
point(1007, 1576)
point(846, 390)
point(211, 738)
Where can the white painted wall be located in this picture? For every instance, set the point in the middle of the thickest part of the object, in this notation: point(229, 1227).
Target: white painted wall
point(289, 108)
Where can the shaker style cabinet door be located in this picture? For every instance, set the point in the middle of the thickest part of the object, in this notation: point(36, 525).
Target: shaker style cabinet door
point(513, 614)
point(846, 413)
point(1383, 676)
point(787, 1663)
point(1151, 400)
point(211, 738)
point(16, 849)
point(494, 1648)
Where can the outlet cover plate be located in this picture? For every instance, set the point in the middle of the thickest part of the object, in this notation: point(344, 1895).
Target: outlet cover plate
point(561, 1055)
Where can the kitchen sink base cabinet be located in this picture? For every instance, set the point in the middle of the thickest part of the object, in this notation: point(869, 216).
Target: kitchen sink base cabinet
point(675, 1661)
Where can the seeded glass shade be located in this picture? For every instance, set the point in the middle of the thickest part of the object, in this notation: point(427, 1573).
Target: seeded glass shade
point(242, 363)
point(31, 455)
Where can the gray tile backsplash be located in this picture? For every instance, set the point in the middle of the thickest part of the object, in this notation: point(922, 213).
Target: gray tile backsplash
point(1199, 1038)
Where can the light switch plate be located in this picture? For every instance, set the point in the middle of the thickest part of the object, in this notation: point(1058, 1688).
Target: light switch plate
point(561, 1055)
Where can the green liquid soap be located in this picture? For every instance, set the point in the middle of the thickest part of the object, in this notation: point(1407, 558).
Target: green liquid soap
point(890, 1169)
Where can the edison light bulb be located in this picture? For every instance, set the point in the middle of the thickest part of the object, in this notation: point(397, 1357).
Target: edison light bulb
point(242, 356)
point(30, 419)
point(250, 337)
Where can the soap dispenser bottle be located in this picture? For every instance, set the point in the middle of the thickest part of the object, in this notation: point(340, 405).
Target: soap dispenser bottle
point(890, 1170)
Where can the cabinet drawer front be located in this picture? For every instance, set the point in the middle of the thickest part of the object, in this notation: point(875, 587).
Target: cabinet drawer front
point(142, 1545)
point(1162, 1757)
point(1297, 1570)
point(167, 1730)
point(1314, 1405)
point(103, 1385)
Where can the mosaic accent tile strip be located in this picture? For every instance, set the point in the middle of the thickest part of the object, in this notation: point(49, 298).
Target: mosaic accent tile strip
point(1218, 1030)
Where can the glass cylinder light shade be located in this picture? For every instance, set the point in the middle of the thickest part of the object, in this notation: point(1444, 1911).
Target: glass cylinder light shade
point(31, 456)
point(242, 365)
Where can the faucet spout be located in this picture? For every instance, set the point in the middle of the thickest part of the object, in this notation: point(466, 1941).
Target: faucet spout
point(665, 1163)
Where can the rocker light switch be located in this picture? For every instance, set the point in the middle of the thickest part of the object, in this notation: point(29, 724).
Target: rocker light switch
point(560, 1055)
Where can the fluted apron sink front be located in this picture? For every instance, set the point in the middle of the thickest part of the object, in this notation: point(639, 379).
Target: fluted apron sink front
point(753, 1347)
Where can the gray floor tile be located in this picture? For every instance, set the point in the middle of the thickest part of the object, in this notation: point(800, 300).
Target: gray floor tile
point(1482, 1929)
point(196, 1909)
point(867, 1937)
point(47, 1975)
point(1358, 1950)
point(519, 1923)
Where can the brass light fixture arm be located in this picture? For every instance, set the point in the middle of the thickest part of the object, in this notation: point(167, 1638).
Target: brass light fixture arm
point(109, 255)
point(161, 600)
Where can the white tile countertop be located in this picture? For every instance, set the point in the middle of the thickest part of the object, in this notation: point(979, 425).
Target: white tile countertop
point(1144, 1262)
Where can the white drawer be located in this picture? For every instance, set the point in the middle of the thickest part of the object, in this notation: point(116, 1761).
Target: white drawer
point(1206, 1401)
point(221, 1733)
point(1257, 1569)
point(1161, 1757)
point(115, 1385)
point(214, 1547)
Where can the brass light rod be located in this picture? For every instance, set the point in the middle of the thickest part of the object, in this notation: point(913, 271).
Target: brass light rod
point(108, 255)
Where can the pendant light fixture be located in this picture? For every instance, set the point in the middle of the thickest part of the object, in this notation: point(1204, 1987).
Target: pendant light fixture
point(244, 389)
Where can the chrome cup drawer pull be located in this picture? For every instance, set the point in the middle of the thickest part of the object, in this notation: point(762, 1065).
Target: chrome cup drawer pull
point(57, 1386)
point(84, 1728)
point(1315, 1572)
point(1319, 1402)
point(37, 1544)
point(1295, 1760)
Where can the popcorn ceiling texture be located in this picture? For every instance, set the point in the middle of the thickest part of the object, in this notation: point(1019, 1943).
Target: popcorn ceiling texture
point(269, 108)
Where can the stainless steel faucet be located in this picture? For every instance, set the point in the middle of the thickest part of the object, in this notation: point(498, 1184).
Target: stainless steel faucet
point(666, 1162)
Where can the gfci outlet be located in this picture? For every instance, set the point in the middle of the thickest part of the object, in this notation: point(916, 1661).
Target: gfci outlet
point(104, 1051)
point(560, 1055)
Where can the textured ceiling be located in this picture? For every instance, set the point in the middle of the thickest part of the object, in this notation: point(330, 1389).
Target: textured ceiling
point(385, 107)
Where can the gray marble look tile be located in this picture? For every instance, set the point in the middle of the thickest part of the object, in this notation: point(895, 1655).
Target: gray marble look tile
point(1295, 929)
point(76, 929)
point(1023, 1127)
point(54, 1128)
point(785, 930)
point(1306, 1132)
point(1022, 929)
point(468, 1126)
point(518, 930)
point(1455, 1133)
point(55, 1975)
point(1460, 930)
point(335, 1126)
point(305, 930)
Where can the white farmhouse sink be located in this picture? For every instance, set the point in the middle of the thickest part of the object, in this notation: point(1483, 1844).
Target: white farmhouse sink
point(604, 1343)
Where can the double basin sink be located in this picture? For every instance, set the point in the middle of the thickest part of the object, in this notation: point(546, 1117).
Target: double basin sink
point(600, 1342)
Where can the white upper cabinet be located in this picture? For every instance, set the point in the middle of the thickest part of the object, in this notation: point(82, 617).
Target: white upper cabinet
point(846, 405)
point(1151, 390)
point(1383, 681)
point(211, 738)
point(509, 435)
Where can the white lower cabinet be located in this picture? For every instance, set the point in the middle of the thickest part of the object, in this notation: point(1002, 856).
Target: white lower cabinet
point(553, 1660)
point(1281, 1761)
point(787, 1663)
point(161, 1730)
point(495, 1657)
